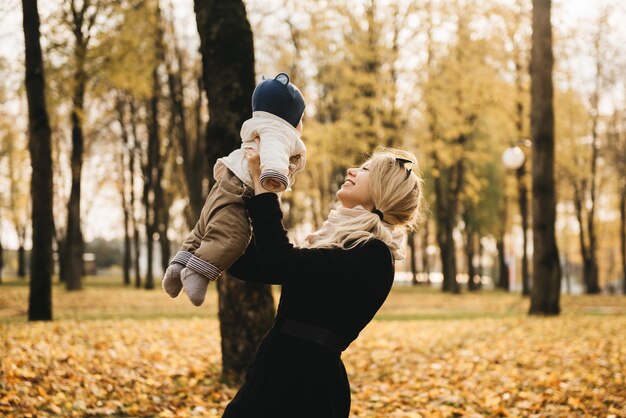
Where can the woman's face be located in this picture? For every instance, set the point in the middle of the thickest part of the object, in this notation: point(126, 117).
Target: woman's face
point(356, 189)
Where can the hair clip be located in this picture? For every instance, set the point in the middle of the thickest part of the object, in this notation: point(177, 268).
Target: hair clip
point(379, 213)
point(403, 162)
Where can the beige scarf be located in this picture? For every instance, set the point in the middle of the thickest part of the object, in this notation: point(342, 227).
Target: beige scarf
point(394, 238)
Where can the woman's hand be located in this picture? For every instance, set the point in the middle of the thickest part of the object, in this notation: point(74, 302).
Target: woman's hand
point(254, 165)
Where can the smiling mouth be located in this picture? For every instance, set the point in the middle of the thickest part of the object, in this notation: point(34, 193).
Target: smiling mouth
point(349, 181)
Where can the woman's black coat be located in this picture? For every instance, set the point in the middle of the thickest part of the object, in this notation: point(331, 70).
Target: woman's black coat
point(335, 289)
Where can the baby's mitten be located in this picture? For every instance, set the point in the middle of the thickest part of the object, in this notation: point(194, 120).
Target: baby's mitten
point(195, 285)
point(172, 283)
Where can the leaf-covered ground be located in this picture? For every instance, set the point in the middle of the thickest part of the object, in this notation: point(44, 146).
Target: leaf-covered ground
point(480, 356)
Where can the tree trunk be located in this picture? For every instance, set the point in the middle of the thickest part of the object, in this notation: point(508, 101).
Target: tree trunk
point(74, 239)
point(163, 202)
point(587, 251)
point(127, 259)
point(424, 248)
point(622, 207)
point(448, 257)
point(153, 191)
point(504, 278)
point(470, 252)
point(446, 218)
point(127, 248)
point(21, 261)
point(188, 145)
point(567, 272)
point(239, 300)
point(546, 291)
point(62, 257)
point(591, 276)
point(591, 267)
point(1, 256)
point(135, 152)
point(149, 182)
point(137, 249)
point(245, 310)
point(520, 117)
point(149, 283)
point(128, 208)
point(523, 209)
point(411, 239)
point(40, 296)
point(481, 267)
point(504, 281)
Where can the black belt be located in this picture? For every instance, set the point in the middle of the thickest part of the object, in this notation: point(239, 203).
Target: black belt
point(310, 333)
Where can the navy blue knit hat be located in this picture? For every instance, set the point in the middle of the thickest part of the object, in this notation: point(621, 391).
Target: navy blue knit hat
point(279, 97)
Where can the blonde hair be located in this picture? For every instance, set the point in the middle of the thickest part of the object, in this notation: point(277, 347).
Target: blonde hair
point(397, 192)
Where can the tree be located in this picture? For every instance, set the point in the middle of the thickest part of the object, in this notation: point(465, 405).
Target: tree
point(129, 56)
point(136, 152)
point(14, 150)
point(186, 124)
point(545, 294)
point(482, 198)
point(246, 310)
point(3, 153)
point(573, 165)
point(448, 167)
point(586, 190)
point(19, 207)
point(616, 136)
point(517, 25)
point(152, 172)
point(40, 296)
point(459, 95)
point(124, 185)
point(1, 251)
point(80, 17)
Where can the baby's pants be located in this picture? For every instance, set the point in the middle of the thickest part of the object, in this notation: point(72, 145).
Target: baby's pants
point(223, 231)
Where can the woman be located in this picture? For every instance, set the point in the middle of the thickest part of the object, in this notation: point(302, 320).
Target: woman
point(331, 289)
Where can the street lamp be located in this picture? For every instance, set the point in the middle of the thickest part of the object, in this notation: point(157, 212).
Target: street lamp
point(514, 158)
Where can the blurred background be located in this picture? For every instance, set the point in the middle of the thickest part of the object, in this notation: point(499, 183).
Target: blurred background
point(448, 81)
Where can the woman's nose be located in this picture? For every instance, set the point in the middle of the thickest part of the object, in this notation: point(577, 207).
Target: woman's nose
point(352, 172)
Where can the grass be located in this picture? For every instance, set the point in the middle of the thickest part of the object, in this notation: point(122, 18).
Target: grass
point(105, 297)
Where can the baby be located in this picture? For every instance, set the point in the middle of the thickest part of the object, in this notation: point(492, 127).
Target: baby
point(223, 232)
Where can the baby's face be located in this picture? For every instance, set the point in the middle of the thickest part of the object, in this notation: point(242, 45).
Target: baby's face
point(300, 126)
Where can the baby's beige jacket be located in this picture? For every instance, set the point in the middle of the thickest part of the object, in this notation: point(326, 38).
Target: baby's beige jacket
point(222, 233)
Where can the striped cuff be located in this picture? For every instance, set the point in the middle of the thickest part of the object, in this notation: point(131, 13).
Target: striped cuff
point(206, 269)
point(274, 175)
point(181, 257)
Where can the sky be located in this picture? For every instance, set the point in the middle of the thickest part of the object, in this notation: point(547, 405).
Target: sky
point(104, 218)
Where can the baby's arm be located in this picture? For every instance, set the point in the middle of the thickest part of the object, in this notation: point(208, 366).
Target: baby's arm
point(274, 149)
point(274, 163)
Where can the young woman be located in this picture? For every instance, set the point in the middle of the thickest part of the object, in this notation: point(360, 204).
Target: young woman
point(331, 288)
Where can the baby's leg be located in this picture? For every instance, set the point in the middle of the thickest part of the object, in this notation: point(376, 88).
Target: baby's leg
point(194, 238)
point(172, 283)
point(226, 239)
